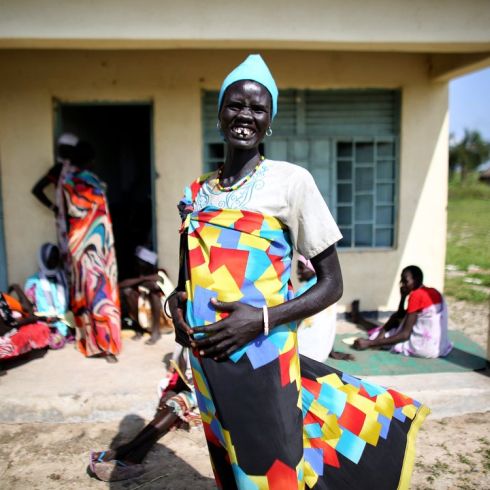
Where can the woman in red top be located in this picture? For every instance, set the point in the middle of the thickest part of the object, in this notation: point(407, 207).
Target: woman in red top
point(422, 329)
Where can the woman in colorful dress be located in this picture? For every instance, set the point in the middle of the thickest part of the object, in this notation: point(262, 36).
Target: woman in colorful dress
point(54, 177)
point(94, 290)
point(422, 329)
point(274, 420)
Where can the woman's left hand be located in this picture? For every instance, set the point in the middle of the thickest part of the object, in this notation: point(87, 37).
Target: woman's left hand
point(243, 324)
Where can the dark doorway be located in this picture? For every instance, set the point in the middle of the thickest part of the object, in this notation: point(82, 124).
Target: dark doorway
point(121, 136)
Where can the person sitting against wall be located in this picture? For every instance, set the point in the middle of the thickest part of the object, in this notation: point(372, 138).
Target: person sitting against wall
point(420, 330)
point(21, 330)
point(47, 290)
point(142, 297)
point(316, 334)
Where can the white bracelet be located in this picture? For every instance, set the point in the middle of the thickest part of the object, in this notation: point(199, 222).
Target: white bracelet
point(266, 320)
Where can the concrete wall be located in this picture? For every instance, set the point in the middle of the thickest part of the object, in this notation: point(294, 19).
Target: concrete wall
point(423, 25)
point(173, 80)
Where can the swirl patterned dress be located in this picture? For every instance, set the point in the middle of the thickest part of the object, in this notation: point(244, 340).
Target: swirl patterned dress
point(275, 420)
point(94, 290)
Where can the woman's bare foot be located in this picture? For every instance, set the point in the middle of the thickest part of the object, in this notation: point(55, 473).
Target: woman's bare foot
point(342, 356)
point(110, 358)
point(153, 339)
point(115, 470)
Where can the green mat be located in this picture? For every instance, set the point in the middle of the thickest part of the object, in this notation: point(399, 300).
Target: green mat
point(465, 356)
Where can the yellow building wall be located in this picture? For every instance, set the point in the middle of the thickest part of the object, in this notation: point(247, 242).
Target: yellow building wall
point(418, 25)
point(30, 81)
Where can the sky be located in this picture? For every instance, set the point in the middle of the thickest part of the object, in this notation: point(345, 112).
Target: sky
point(469, 104)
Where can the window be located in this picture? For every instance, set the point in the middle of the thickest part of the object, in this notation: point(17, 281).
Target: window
point(366, 192)
point(348, 140)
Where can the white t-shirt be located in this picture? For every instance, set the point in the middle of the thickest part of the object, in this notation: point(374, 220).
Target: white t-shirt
point(289, 193)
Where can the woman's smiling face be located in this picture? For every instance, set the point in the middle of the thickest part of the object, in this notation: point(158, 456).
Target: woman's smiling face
point(245, 114)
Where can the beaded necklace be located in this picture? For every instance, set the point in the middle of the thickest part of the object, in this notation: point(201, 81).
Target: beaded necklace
point(241, 182)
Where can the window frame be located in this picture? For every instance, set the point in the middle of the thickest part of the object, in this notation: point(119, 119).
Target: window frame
point(294, 128)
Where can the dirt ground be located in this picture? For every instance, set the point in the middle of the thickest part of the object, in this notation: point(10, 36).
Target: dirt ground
point(472, 319)
point(452, 453)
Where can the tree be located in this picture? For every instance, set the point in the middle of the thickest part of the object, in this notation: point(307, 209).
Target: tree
point(470, 152)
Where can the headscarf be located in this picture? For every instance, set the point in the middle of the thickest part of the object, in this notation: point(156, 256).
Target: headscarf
point(47, 276)
point(42, 259)
point(255, 69)
point(146, 255)
point(66, 139)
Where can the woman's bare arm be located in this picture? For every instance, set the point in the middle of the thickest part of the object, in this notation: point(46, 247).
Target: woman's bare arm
point(38, 192)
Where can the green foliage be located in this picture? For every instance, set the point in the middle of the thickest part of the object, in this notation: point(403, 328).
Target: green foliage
point(471, 188)
point(468, 241)
point(458, 289)
point(470, 152)
point(468, 237)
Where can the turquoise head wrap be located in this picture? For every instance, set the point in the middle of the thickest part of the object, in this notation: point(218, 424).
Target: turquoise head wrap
point(255, 69)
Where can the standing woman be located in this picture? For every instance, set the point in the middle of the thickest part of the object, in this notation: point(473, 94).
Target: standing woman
point(55, 177)
point(273, 419)
point(94, 291)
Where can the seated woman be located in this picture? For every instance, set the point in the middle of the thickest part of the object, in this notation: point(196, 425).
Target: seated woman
point(47, 289)
point(177, 408)
point(422, 330)
point(142, 296)
point(316, 334)
point(20, 330)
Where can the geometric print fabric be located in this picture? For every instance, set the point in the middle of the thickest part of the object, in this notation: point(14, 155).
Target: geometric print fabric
point(244, 256)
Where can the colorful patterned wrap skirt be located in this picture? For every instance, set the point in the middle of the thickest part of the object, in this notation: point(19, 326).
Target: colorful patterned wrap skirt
point(275, 420)
point(94, 289)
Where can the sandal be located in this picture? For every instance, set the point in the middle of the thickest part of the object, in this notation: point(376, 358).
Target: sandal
point(116, 470)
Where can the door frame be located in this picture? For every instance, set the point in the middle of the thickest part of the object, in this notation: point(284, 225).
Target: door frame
point(3, 250)
point(58, 104)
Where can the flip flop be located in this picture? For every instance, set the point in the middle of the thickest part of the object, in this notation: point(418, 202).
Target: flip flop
point(93, 459)
point(115, 470)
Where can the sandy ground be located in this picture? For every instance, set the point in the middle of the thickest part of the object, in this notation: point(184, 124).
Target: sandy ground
point(472, 319)
point(452, 453)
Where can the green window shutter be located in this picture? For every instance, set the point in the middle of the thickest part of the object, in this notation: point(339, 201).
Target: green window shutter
point(352, 112)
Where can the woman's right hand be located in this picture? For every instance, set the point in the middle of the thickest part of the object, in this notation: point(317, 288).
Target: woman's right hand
point(177, 309)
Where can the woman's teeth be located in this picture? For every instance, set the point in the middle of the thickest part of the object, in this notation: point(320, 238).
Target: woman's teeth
point(240, 131)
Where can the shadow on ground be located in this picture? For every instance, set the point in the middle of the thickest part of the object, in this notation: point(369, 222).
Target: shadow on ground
point(164, 469)
point(15, 362)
